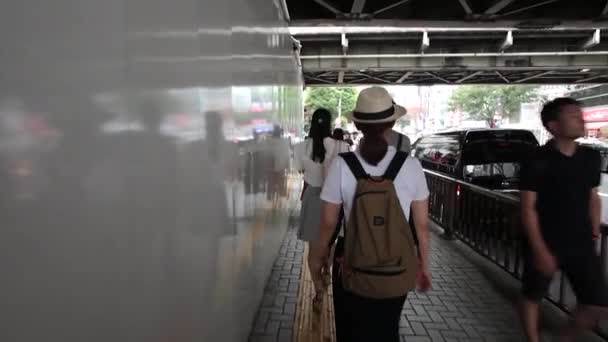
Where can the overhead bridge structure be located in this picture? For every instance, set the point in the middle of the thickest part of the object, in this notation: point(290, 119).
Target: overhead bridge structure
point(451, 41)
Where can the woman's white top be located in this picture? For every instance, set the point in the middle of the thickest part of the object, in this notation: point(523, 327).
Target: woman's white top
point(410, 183)
point(314, 171)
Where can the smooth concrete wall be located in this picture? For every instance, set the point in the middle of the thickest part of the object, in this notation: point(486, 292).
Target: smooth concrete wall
point(134, 196)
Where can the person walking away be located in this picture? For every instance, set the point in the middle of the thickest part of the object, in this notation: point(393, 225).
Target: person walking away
point(348, 139)
point(375, 262)
point(340, 135)
point(399, 140)
point(561, 216)
point(311, 157)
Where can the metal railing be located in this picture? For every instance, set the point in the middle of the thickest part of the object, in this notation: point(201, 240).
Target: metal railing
point(489, 222)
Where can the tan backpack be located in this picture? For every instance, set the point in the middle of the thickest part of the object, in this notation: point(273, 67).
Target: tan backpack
point(380, 251)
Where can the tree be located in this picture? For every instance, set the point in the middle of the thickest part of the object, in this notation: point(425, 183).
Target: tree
point(485, 102)
point(329, 98)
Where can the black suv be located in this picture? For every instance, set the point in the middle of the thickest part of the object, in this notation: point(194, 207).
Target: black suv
point(489, 158)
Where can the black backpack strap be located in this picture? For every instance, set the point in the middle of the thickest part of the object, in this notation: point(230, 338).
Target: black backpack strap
point(395, 165)
point(399, 142)
point(354, 165)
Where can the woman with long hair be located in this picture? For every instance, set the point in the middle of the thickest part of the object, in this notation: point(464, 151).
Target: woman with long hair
point(363, 318)
point(312, 157)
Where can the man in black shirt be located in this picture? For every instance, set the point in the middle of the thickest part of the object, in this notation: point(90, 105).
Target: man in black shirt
point(561, 212)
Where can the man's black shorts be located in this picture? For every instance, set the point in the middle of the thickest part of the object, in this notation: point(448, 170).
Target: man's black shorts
point(582, 267)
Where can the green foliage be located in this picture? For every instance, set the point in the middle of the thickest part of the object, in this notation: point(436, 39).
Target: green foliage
point(329, 97)
point(484, 102)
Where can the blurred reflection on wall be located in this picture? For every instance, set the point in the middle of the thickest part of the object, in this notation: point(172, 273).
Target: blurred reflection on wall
point(139, 199)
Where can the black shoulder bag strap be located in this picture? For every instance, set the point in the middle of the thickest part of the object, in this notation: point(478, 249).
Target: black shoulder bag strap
point(391, 173)
point(354, 165)
point(395, 166)
point(399, 142)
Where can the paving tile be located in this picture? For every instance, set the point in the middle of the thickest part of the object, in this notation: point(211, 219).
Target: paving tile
point(463, 306)
point(276, 316)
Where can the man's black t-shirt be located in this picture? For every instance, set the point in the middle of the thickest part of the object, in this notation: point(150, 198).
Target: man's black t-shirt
point(563, 185)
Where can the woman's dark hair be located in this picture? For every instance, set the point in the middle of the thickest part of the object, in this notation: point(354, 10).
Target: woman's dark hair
point(320, 128)
point(338, 134)
point(374, 145)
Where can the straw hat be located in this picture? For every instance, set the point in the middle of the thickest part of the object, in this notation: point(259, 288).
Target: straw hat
point(375, 105)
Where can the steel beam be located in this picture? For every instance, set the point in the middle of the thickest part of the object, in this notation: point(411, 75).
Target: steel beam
point(389, 7)
point(327, 6)
point(441, 77)
point(523, 9)
point(404, 77)
point(498, 6)
point(464, 37)
point(502, 77)
point(344, 42)
point(540, 74)
point(426, 42)
point(297, 50)
point(461, 54)
point(469, 76)
point(592, 78)
point(285, 10)
point(465, 5)
point(372, 77)
point(570, 78)
point(383, 26)
point(340, 77)
point(419, 80)
point(325, 58)
point(317, 79)
point(507, 42)
point(592, 41)
point(358, 6)
point(438, 77)
point(327, 73)
point(357, 80)
point(470, 64)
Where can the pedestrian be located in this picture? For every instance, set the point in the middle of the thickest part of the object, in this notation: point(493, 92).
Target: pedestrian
point(398, 140)
point(338, 134)
point(368, 299)
point(561, 212)
point(312, 157)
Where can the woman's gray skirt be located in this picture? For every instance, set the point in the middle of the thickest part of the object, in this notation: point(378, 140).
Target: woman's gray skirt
point(310, 215)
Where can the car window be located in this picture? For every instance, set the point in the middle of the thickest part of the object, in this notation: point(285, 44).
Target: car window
point(602, 147)
point(438, 152)
point(492, 158)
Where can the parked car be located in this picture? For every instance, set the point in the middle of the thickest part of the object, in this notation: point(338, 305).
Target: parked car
point(489, 158)
point(600, 145)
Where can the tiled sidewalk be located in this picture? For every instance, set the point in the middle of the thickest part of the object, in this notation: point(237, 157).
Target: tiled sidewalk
point(463, 305)
point(276, 316)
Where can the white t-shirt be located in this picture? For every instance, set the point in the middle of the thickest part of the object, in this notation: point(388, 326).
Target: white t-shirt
point(410, 183)
point(313, 171)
